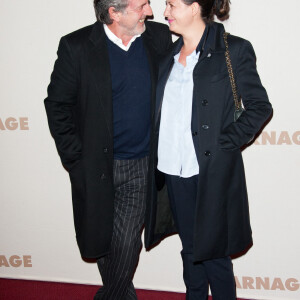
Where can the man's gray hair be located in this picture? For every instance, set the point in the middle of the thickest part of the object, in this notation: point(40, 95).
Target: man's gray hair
point(102, 6)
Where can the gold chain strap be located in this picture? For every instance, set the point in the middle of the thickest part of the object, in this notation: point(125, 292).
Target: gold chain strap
point(237, 102)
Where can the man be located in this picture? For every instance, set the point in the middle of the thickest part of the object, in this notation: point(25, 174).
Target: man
point(100, 107)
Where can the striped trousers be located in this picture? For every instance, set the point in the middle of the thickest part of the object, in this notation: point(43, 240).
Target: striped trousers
point(118, 267)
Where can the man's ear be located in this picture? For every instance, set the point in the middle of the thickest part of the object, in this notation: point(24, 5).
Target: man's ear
point(114, 15)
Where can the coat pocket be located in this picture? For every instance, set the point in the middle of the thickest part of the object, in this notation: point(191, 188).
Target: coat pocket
point(219, 76)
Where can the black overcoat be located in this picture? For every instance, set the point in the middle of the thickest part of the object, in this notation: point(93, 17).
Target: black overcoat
point(80, 116)
point(222, 225)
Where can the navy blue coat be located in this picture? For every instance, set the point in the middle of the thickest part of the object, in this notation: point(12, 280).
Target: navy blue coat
point(222, 213)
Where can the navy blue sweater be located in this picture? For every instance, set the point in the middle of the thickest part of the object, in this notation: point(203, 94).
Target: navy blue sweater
point(131, 93)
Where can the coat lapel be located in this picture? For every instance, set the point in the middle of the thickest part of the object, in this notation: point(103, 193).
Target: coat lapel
point(100, 72)
point(151, 54)
point(214, 41)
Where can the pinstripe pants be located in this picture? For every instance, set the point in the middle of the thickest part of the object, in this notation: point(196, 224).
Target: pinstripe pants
point(118, 267)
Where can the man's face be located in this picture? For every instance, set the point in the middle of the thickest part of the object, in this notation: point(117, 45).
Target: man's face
point(132, 20)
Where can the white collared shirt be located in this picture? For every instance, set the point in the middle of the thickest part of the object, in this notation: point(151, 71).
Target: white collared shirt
point(176, 152)
point(117, 40)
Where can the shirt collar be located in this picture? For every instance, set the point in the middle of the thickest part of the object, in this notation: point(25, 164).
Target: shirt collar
point(191, 59)
point(117, 41)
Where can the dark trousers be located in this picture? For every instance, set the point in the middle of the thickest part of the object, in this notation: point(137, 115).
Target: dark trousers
point(216, 273)
point(118, 267)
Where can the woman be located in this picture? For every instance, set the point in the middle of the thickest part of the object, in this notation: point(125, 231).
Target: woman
point(199, 143)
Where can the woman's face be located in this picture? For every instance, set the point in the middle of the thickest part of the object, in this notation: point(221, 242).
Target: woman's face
point(179, 15)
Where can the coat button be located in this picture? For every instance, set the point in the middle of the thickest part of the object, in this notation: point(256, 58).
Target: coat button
point(205, 127)
point(204, 102)
point(102, 177)
point(207, 153)
point(209, 55)
point(105, 150)
point(194, 133)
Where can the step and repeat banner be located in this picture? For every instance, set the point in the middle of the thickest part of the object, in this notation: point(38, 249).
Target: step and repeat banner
point(37, 238)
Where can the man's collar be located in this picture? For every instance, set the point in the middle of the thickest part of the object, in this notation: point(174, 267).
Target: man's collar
point(117, 40)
